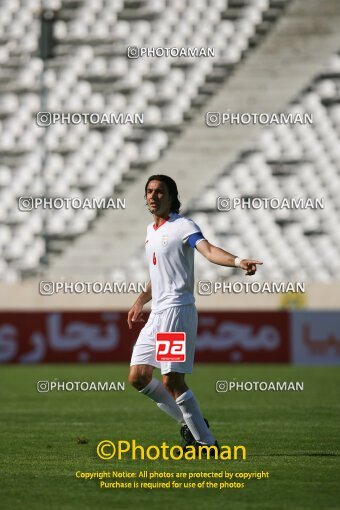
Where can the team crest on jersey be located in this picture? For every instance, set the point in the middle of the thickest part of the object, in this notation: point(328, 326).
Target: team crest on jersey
point(164, 240)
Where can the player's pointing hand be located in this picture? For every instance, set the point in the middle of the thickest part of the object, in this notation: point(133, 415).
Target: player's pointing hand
point(250, 266)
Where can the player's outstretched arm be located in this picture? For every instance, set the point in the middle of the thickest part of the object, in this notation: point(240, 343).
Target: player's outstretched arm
point(135, 313)
point(223, 258)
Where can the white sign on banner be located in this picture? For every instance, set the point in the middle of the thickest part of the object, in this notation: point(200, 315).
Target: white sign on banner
point(315, 338)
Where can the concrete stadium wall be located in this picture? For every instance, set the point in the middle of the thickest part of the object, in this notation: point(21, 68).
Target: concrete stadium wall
point(25, 296)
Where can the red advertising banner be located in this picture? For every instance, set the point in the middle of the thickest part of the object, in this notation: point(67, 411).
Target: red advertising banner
point(248, 337)
point(85, 337)
point(59, 337)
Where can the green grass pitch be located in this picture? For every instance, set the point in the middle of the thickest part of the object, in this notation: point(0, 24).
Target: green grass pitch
point(293, 435)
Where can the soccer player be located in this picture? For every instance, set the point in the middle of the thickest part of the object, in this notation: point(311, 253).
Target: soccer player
point(170, 243)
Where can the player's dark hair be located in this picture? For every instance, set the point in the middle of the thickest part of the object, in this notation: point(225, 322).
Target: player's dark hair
point(172, 189)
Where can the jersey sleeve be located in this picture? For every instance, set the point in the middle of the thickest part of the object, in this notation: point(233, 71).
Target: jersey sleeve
point(194, 239)
point(191, 233)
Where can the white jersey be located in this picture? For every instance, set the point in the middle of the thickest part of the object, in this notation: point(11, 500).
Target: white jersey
point(171, 262)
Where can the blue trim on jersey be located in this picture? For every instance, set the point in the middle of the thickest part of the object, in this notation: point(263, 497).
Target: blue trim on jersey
point(193, 238)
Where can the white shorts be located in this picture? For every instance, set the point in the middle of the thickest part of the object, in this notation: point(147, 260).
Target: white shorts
point(177, 318)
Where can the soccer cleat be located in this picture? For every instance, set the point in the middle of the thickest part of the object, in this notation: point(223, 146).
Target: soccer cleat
point(188, 438)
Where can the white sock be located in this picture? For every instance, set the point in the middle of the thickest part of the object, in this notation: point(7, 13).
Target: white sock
point(194, 418)
point(156, 391)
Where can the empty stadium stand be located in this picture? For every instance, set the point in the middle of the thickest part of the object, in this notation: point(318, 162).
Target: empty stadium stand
point(251, 71)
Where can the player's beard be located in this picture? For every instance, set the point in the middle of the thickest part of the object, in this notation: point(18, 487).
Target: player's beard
point(153, 209)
